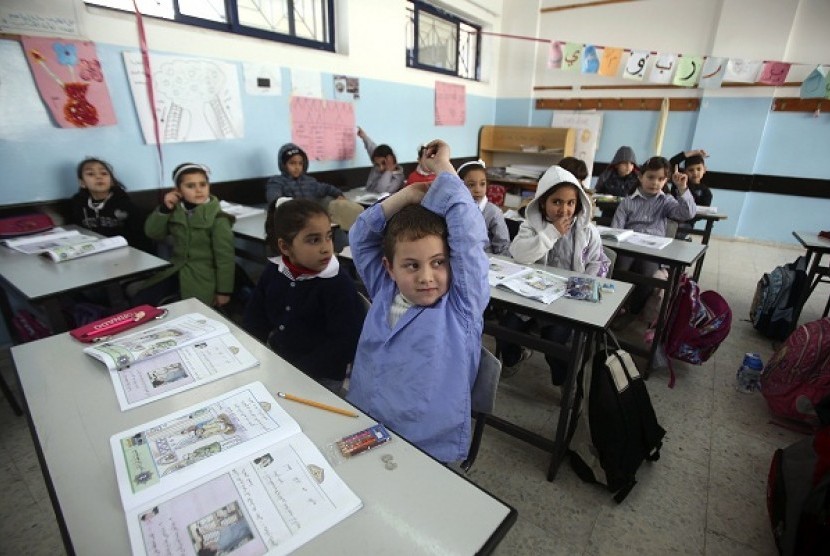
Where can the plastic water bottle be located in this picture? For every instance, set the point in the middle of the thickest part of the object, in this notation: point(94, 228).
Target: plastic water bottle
point(749, 375)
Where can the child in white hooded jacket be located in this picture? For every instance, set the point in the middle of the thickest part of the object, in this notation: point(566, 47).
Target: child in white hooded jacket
point(557, 232)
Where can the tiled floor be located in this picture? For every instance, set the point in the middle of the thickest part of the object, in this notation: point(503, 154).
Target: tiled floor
point(706, 494)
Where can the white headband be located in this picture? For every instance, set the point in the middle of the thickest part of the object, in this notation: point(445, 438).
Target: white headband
point(281, 200)
point(187, 167)
point(478, 162)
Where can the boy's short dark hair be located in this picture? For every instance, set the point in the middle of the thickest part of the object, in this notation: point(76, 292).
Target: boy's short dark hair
point(411, 223)
point(382, 151)
point(575, 166)
point(692, 160)
point(656, 163)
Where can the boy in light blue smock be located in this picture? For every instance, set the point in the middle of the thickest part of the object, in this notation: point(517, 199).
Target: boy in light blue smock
point(420, 253)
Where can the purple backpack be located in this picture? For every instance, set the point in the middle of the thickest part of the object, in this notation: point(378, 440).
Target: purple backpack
point(799, 372)
point(697, 324)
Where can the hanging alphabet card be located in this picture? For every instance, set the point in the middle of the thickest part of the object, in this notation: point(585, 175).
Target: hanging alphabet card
point(663, 69)
point(688, 71)
point(635, 67)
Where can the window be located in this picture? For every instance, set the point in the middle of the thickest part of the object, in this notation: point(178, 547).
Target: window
point(302, 22)
point(441, 42)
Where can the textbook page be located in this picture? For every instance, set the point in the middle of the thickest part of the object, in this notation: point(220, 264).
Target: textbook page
point(269, 494)
point(648, 240)
point(500, 269)
point(54, 238)
point(618, 234)
point(536, 284)
point(239, 211)
point(76, 250)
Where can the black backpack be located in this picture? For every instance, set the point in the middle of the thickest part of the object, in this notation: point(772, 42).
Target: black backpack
point(798, 492)
point(778, 292)
point(619, 429)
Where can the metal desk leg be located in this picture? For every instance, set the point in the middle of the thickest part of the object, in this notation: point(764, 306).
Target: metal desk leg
point(705, 241)
point(663, 315)
point(575, 362)
point(813, 260)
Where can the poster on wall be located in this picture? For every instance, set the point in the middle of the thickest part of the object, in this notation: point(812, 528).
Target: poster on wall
point(588, 125)
point(306, 83)
point(346, 88)
point(45, 17)
point(70, 81)
point(450, 104)
point(324, 129)
point(195, 99)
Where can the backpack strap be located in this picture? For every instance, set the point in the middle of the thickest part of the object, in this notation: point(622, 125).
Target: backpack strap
point(651, 455)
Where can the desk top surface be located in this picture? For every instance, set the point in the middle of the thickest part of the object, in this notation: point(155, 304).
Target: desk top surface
point(420, 507)
point(37, 277)
point(811, 240)
point(251, 227)
point(677, 252)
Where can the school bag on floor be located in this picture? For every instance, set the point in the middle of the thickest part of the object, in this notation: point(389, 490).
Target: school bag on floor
point(697, 324)
point(615, 428)
point(776, 296)
point(798, 492)
point(799, 372)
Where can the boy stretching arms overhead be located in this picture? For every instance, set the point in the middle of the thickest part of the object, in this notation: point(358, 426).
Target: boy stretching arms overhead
point(420, 253)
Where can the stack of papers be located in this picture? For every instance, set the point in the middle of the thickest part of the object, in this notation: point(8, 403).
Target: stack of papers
point(635, 238)
point(706, 210)
point(239, 211)
point(526, 170)
point(527, 282)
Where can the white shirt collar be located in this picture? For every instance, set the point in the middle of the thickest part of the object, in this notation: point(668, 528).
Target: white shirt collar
point(482, 203)
point(638, 193)
point(329, 272)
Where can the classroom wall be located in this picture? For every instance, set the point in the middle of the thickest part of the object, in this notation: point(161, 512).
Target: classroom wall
point(735, 125)
point(396, 104)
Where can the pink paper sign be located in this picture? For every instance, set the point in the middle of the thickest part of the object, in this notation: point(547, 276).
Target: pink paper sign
point(450, 104)
point(324, 129)
point(774, 73)
point(70, 81)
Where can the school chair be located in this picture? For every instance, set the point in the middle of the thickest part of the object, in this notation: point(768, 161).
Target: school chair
point(367, 304)
point(612, 256)
point(483, 401)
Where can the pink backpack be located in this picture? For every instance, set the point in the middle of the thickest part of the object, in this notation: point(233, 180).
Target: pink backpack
point(697, 324)
point(799, 369)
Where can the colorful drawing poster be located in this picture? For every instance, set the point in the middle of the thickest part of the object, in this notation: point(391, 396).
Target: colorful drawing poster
point(571, 56)
point(635, 67)
point(609, 63)
point(70, 81)
point(590, 59)
point(742, 71)
point(712, 74)
point(450, 104)
point(688, 71)
point(663, 69)
point(774, 73)
point(555, 55)
point(196, 99)
point(323, 128)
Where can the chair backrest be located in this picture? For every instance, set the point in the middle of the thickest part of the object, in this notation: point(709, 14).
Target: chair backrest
point(671, 227)
point(483, 396)
point(612, 256)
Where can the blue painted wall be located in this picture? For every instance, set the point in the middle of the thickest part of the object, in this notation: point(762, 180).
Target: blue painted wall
point(39, 159)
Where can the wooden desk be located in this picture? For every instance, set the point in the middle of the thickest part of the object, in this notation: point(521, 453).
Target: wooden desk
point(421, 507)
point(677, 255)
point(42, 281)
point(816, 248)
point(587, 320)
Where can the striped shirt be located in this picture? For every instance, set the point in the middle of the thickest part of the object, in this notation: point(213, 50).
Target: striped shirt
point(648, 214)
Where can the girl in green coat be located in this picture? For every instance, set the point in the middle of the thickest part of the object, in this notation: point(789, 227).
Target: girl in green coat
point(203, 251)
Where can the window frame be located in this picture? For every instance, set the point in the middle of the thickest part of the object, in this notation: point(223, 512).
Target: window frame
point(234, 27)
point(412, 62)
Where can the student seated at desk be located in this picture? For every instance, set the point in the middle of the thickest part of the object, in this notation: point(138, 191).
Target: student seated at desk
point(475, 178)
point(558, 232)
point(620, 178)
point(386, 175)
point(646, 211)
point(203, 253)
point(305, 307)
point(421, 173)
point(692, 164)
point(103, 206)
point(420, 253)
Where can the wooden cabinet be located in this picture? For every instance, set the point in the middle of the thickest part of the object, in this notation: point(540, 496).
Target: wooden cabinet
point(540, 146)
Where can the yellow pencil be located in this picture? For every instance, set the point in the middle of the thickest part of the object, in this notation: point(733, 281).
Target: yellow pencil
point(319, 405)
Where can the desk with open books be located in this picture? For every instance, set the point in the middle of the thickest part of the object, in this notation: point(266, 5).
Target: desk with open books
point(41, 280)
point(674, 254)
point(419, 507)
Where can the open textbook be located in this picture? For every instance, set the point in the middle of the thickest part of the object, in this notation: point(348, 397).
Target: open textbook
point(233, 474)
point(239, 211)
point(53, 239)
point(634, 238)
point(178, 355)
point(84, 248)
point(528, 282)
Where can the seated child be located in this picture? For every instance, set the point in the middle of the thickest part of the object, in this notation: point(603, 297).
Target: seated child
point(693, 165)
point(557, 232)
point(421, 255)
point(305, 307)
point(475, 178)
point(619, 178)
point(646, 211)
point(294, 180)
point(103, 206)
point(386, 175)
point(421, 173)
point(203, 253)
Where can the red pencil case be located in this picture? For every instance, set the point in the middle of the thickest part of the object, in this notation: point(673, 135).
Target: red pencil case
point(115, 324)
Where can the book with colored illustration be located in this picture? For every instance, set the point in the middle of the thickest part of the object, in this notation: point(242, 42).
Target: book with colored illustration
point(183, 353)
point(232, 474)
point(526, 281)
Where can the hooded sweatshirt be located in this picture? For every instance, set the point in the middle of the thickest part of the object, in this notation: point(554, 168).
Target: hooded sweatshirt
point(539, 241)
point(303, 187)
point(611, 183)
